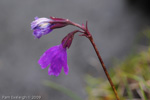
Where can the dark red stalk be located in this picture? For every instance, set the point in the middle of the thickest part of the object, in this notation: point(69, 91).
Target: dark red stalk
point(104, 68)
point(89, 36)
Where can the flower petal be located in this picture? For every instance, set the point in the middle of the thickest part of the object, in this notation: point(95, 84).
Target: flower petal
point(64, 62)
point(41, 26)
point(56, 57)
point(37, 33)
point(66, 69)
point(55, 69)
point(45, 59)
point(38, 21)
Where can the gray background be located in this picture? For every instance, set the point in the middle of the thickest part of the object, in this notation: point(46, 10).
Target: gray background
point(114, 25)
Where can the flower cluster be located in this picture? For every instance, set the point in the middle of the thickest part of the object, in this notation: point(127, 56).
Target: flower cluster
point(56, 56)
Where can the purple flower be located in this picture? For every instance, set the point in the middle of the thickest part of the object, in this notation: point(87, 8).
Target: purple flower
point(41, 26)
point(56, 57)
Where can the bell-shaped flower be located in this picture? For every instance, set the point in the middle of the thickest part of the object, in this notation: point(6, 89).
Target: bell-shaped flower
point(56, 58)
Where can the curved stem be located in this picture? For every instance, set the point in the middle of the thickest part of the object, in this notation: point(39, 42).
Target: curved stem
point(104, 68)
point(89, 36)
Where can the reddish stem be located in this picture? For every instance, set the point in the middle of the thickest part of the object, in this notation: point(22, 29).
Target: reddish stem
point(89, 36)
point(104, 68)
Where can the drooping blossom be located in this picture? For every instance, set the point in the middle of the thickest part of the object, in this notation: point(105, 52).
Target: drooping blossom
point(41, 26)
point(55, 58)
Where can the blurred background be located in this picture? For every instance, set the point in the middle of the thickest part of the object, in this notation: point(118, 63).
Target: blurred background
point(116, 26)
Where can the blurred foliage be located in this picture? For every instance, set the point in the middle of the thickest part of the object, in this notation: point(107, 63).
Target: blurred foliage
point(131, 79)
point(146, 33)
point(62, 89)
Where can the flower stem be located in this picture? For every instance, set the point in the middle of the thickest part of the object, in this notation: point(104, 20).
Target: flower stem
point(89, 36)
point(103, 65)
